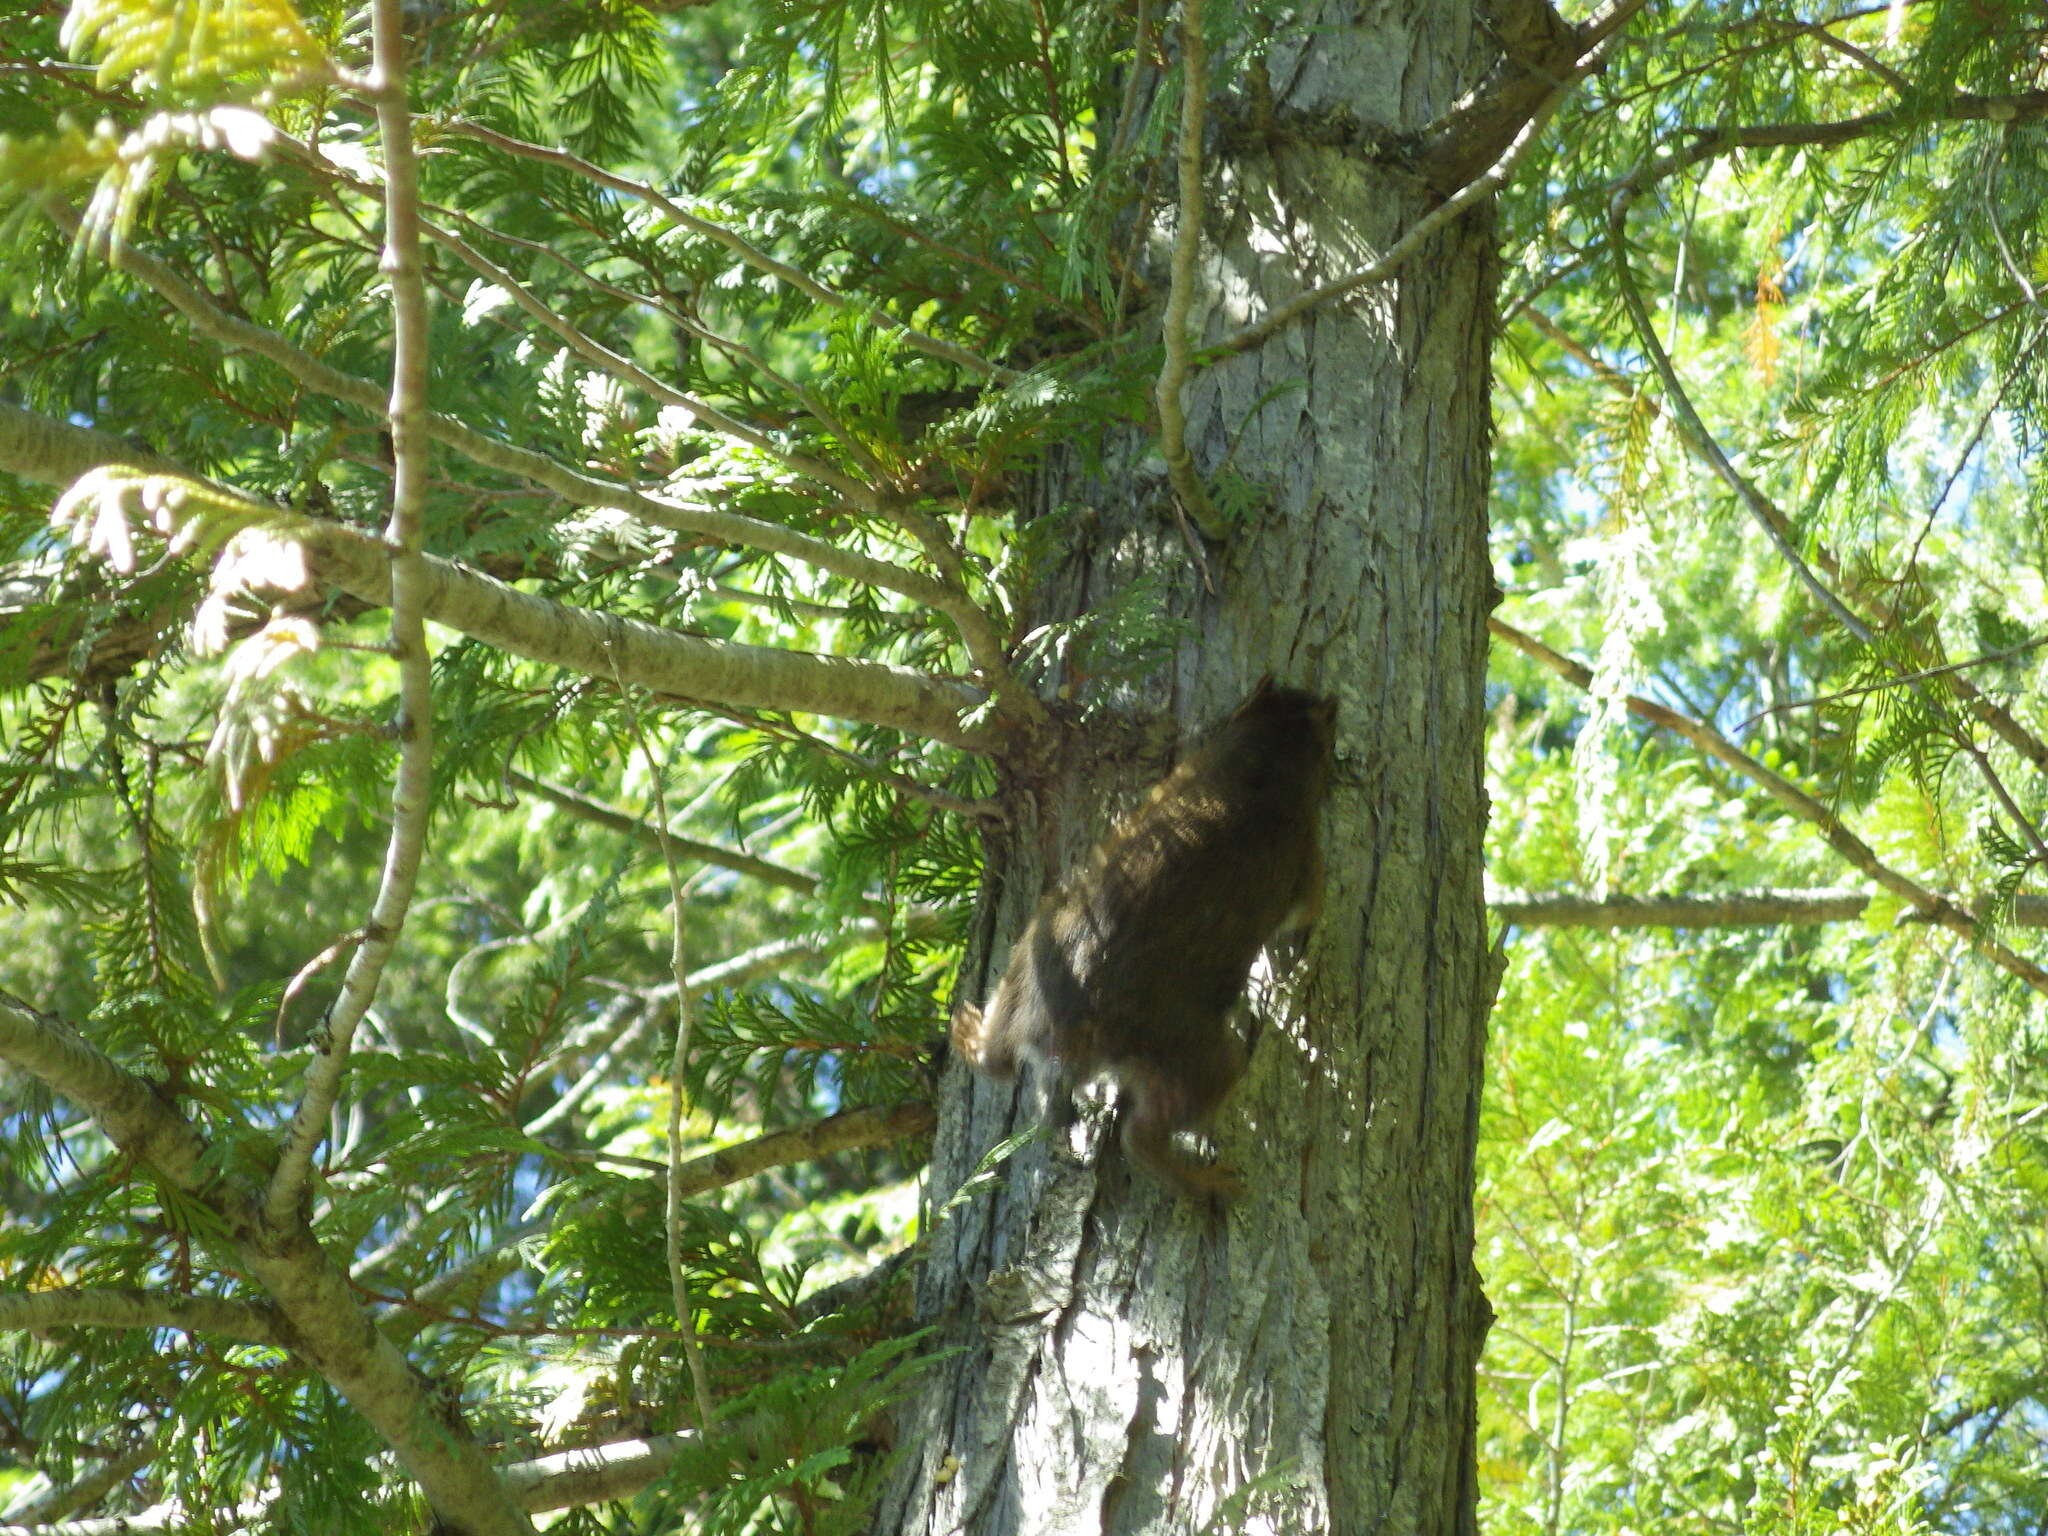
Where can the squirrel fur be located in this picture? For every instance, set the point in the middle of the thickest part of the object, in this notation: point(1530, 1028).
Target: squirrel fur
point(1131, 967)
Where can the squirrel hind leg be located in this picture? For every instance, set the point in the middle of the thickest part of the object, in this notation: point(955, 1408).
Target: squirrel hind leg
point(1150, 1121)
point(981, 1047)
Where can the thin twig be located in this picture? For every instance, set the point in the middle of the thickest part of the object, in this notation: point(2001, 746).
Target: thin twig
point(637, 1012)
point(412, 784)
point(1986, 710)
point(738, 860)
point(1969, 448)
point(679, 1061)
point(805, 608)
point(945, 800)
point(1986, 659)
point(603, 358)
point(235, 334)
point(1180, 294)
point(1819, 33)
point(1995, 152)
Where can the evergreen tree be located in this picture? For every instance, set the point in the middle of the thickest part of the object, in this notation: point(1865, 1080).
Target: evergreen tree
point(573, 572)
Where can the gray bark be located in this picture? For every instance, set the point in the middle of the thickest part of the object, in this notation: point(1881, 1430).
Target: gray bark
point(1135, 1362)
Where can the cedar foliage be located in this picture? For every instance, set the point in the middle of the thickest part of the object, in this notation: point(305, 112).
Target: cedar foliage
point(1761, 1212)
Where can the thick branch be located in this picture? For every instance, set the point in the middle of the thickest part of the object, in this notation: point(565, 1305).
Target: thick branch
point(52, 452)
point(1540, 58)
point(1933, 906)
point(1730, 909)
point(119, 1307)
point(311, 1293)
point(845, 1132)
point(131, 1114)
point(1494, 178)
point(1964, 106)
point(627, 651)
point(158, 1517)
point(638, 654)
point(40, 448)
point(592, 1474)
point(61, 1502)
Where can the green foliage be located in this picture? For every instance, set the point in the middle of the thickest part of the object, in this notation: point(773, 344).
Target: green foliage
point(189, 844)
point(1760, 1207)
point(779, 1460)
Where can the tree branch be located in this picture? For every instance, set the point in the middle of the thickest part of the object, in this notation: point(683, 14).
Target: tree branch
point(311, 1293)
point(1729, 909)
point(52, 452)
point(1763, 511)
point(61, 1502)
point(1964, 106)
point(1541, 56)
point(1418, 234)
point(158, 1517)
point(288, 553)
point(598, 813)
point(123, 1307)
point(592, 1474)
point(845, 1132)
point(605, 360)
point(413, 783)
point(1931, 905)
point(1180, 294)
point(849, 1131)
point(127, 1109)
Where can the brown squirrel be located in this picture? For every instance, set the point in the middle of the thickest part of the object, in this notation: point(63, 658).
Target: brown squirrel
point(1132, 966)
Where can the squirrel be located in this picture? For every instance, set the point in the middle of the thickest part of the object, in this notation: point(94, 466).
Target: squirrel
point(1131, 967)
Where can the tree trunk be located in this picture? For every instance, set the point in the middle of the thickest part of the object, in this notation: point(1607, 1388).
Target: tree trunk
point(1132, 1361)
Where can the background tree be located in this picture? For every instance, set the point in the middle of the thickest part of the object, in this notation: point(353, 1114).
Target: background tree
point(729, 511)
point(1761, 1193)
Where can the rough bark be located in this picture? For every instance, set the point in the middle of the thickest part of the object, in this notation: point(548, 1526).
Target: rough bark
point(1130, 1361)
